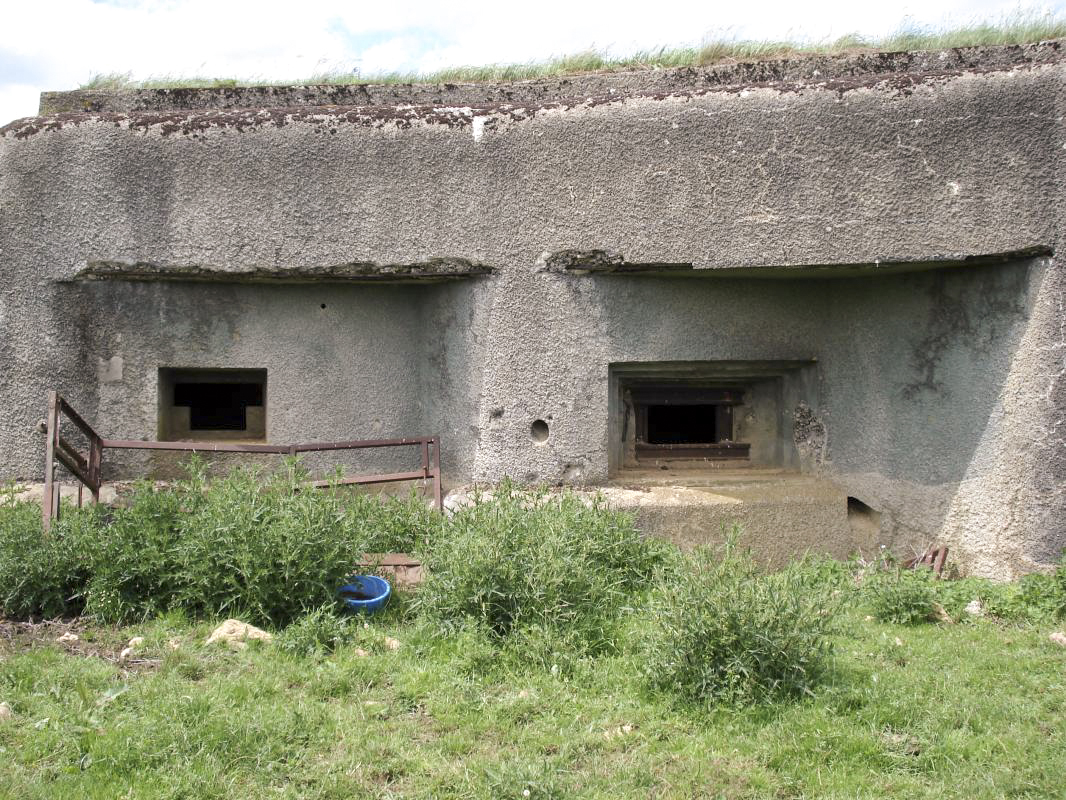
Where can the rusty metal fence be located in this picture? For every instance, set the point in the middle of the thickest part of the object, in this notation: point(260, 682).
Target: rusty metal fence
point(87, 467)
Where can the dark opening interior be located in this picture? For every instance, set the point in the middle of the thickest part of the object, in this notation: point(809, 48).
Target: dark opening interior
point(669, 424)
point(683, 421)
point(218, 406)
point(857, 506)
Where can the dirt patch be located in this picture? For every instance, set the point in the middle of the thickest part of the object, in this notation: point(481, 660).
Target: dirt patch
point(92, 641)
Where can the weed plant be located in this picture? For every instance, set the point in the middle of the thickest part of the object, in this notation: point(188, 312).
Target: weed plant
point(135, 574)
point(543, 574)
point(1032, 599)
point(264, 548)
point(902, 596)
point(912, 597)
point(724, 630)
point(43, 576)
point(1060, 588)
point(265, 552)
point(317, 632)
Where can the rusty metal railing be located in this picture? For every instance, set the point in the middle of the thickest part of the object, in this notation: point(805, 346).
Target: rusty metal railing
point(88, 467)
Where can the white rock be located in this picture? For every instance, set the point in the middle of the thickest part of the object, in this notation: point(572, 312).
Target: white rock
point(1059, 638)
point(392, 644)
point(135, 642)
point(974, 608)
point(236, 633)
point(464, 497)
point(68, 637)
point(6, 712)
point(125, 654)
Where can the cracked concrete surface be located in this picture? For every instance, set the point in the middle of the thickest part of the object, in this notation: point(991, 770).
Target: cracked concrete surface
point(940, 387)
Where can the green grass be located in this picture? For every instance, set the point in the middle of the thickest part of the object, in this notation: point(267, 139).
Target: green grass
point(1021, 27)
point(552, 652)
point(967, 711)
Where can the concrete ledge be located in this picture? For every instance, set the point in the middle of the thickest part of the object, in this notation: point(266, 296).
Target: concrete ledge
point(603, 262)
point(436, 269)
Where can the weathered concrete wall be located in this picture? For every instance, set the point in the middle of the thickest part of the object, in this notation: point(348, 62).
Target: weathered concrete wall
point(337, 360)
point(940, 393)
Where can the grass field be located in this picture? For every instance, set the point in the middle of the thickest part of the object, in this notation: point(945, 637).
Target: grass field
point(551, 651)
point(974, 710)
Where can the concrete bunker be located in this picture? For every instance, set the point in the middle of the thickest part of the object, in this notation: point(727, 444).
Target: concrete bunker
point(788, 285)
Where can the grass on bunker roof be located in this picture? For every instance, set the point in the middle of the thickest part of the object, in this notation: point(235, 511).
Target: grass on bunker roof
point(1020, 27)
point(968, 711)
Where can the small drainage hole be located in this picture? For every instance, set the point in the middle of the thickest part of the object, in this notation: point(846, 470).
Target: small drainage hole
point(538, 431)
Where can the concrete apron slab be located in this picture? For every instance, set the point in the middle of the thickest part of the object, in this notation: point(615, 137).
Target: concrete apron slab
point(780, 514)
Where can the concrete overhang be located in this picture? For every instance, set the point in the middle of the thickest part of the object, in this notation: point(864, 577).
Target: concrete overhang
point(431, 271)
point(604, 262)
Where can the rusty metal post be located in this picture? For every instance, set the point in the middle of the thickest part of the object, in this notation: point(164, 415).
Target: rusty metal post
point(437, 495)
point(47, 507)
point(96, 471)
point(938, 561)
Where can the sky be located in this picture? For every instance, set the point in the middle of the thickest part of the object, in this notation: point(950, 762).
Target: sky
point(60, 44)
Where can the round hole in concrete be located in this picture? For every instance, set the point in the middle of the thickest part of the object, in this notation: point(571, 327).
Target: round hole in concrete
point(323, 305)
point(538, 431)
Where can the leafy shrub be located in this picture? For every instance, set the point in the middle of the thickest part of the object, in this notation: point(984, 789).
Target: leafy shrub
point(1060, 587)
point(265, 552)
point(135, 574)
point(542, 568)
point(903, 596)
point(264, 549)
point(727, 631)
point(822, 573)
point(321, 630)
point(43, 576)
point(269, 551)
point(1044, 596)
point(911, 597)
point(1033, 598)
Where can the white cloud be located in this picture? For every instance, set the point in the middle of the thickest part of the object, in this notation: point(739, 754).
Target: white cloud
point(20, 96)
point(59, 44)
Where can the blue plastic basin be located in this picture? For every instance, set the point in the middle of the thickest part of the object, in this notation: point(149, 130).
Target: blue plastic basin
point(367, 593)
